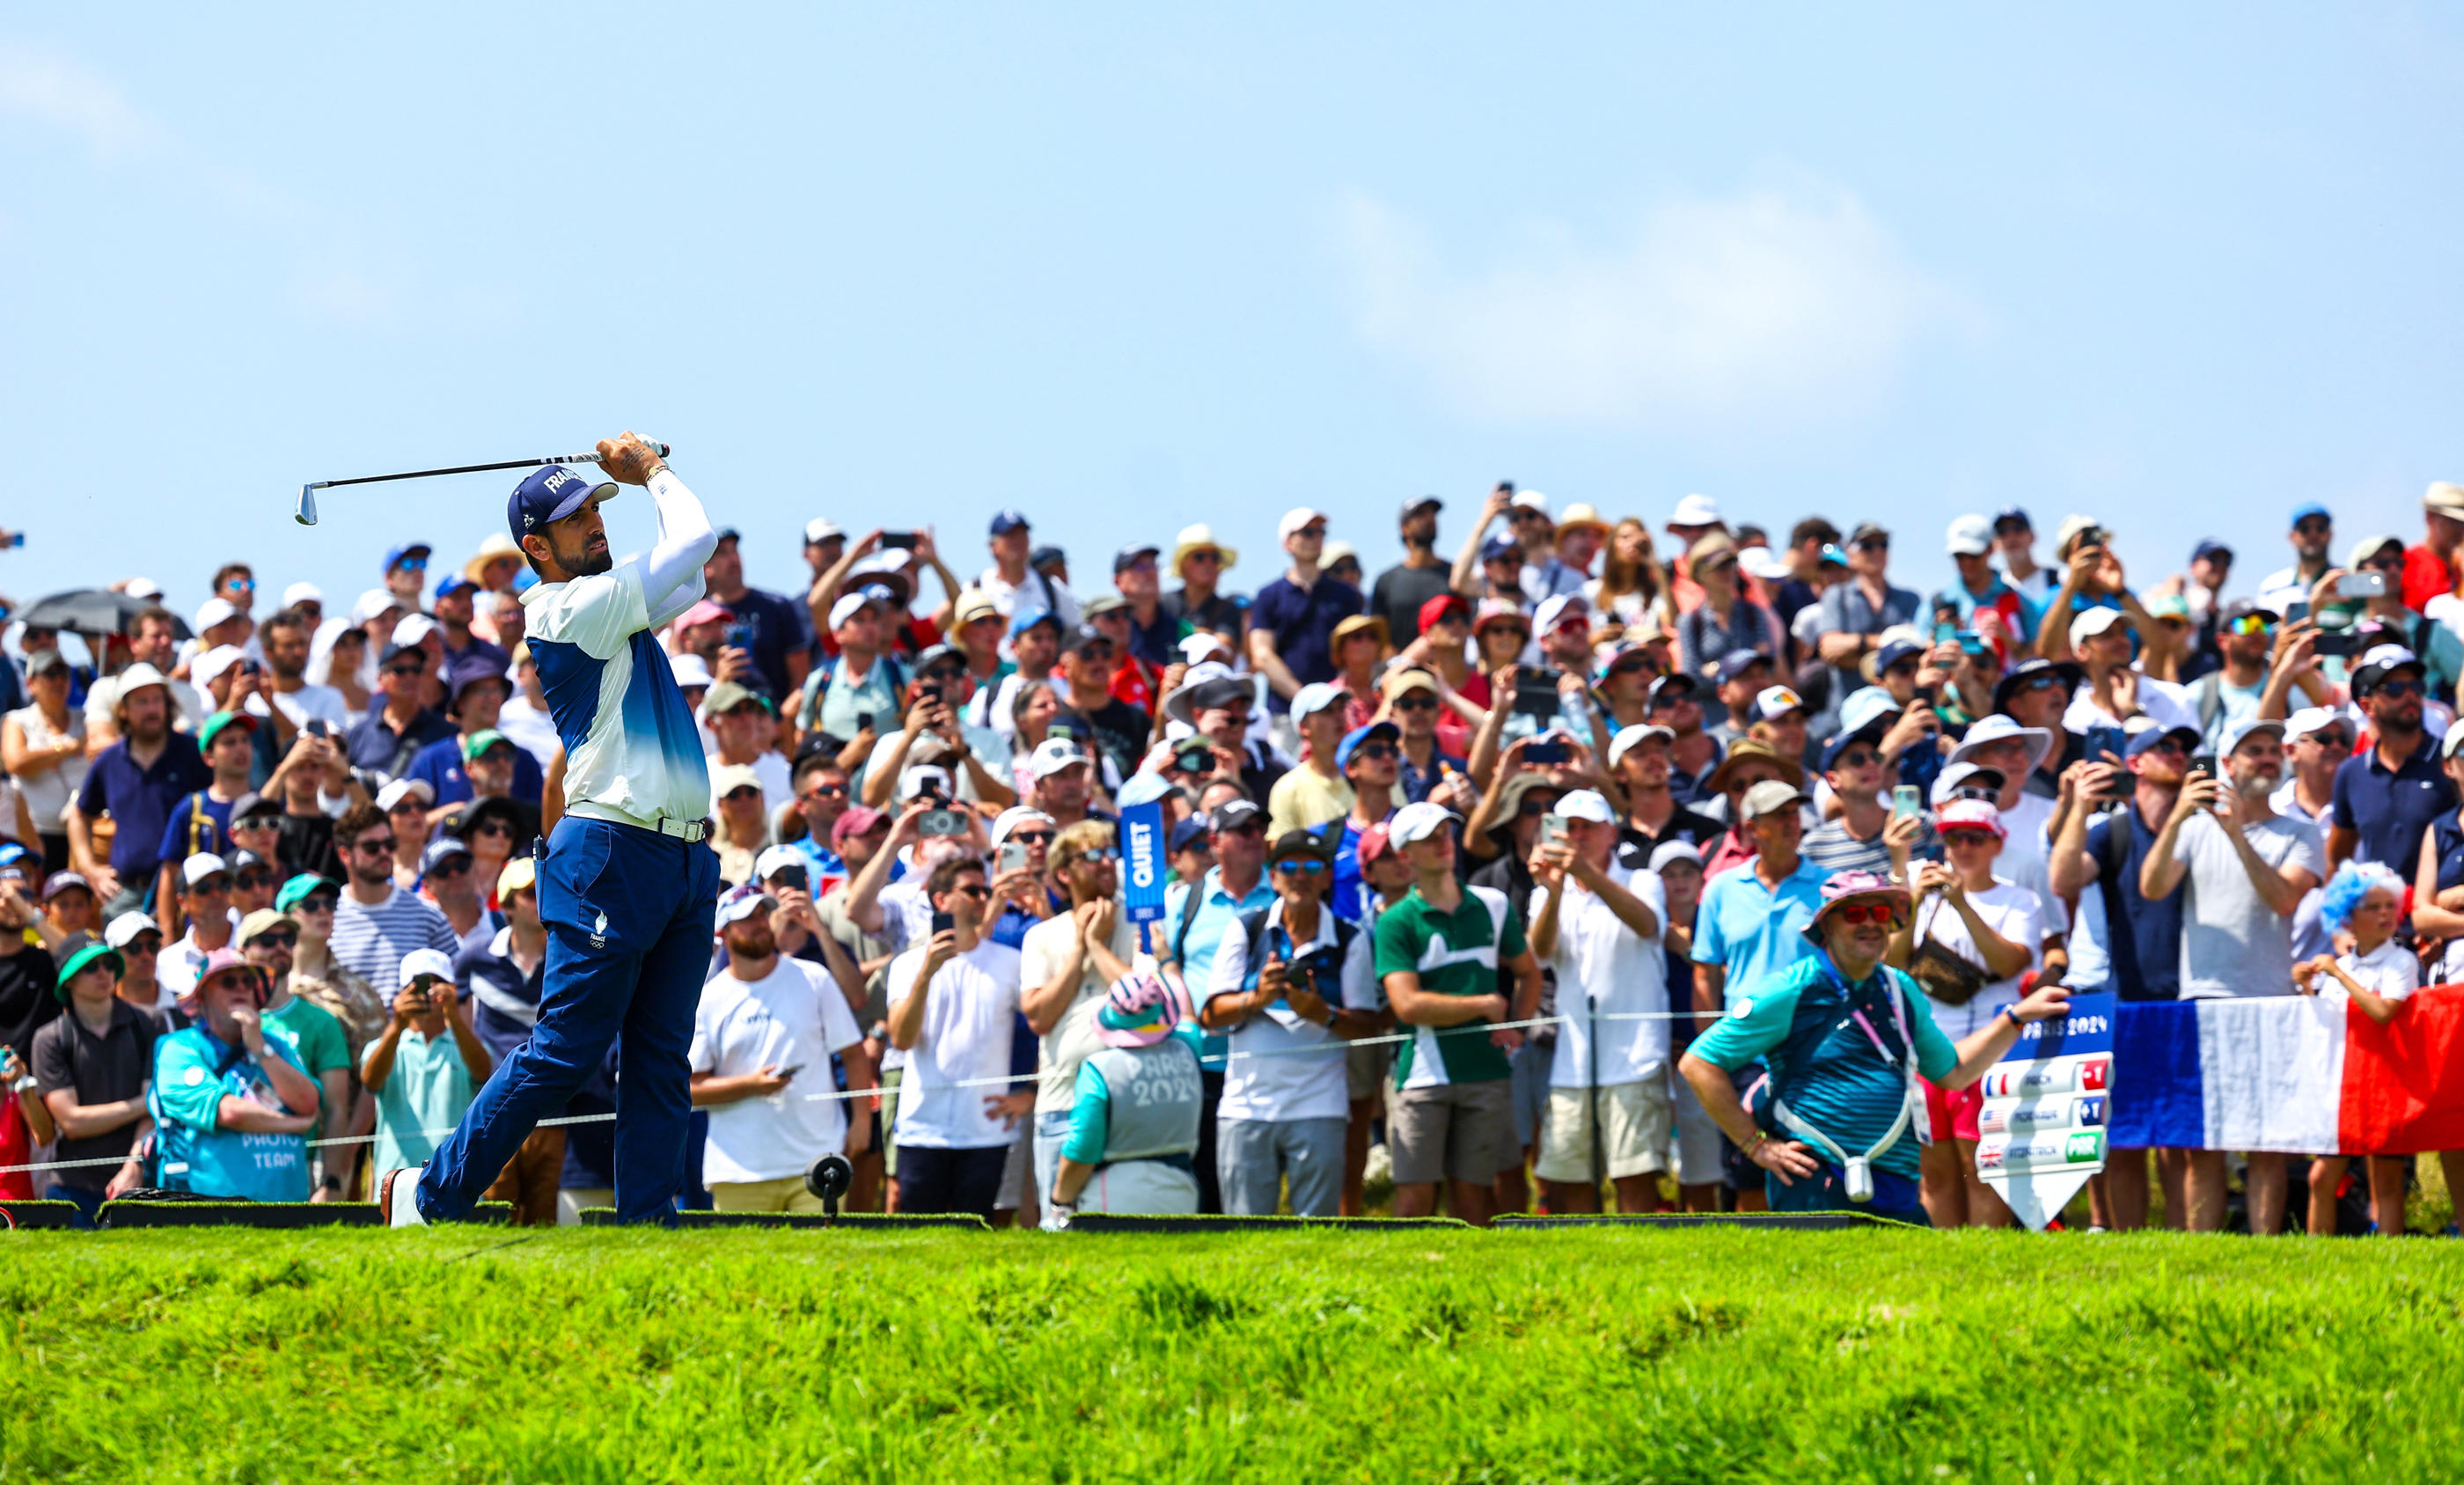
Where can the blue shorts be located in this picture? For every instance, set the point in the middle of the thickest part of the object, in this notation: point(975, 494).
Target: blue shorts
point(1895, 1196)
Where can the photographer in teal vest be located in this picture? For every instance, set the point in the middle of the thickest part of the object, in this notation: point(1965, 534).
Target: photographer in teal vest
point(1133, 1131)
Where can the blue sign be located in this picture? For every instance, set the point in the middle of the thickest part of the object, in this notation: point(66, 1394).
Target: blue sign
point(1145, 873)
point(2087, 1029)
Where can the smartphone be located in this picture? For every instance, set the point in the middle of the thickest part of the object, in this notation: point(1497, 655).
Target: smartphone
point(795, 876)
point(943, 923)
point(1969, 643)
point(2362, 585)
point(1906, 799)
point(1012, 857)
point(1194, 760)
point(789, 1073)
point(16, 539)
point(739, 636)
point(898, 541)
point(1923, 696)
point(249, 668)
point(2202, 765)
point(941, 821)
point(2344, 643)
point(1944, 631)
point(1552, 829)
point(1548, 752)
point(868, 721)
point(2102, 741)
point(1535, 693)
point(317, 727)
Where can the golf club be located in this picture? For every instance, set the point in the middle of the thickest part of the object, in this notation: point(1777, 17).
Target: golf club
point(306, 514)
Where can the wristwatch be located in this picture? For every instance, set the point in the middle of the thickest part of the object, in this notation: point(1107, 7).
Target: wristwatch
point(2013, 1011)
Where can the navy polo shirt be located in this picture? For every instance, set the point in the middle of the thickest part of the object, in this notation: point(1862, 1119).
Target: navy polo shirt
point(1303, 622)
point(2143, 938)
point(141, 800)
point(374, 745)
point(2389, 809)
point(439, 765)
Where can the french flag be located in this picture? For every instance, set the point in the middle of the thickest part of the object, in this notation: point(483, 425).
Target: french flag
point(2299, 1073)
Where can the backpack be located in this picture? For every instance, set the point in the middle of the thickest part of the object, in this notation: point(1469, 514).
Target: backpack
point(817, 685)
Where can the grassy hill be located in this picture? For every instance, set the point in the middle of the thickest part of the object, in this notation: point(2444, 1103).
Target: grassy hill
point(1594, 1354)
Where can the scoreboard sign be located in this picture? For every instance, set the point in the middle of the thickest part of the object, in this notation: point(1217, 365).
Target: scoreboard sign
point(2043, 1123)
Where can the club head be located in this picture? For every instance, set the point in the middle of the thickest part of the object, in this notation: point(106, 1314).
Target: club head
point(306, 514)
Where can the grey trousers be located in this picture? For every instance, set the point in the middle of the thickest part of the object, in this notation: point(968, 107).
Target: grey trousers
point(1253, 1156)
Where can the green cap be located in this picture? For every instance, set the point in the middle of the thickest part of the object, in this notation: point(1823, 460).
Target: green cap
point(299, 887)
point(85, 957)
point(481, 741)
point(215, 725)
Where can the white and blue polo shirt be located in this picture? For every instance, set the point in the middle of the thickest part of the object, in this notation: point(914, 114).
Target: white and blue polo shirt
point(631, 751)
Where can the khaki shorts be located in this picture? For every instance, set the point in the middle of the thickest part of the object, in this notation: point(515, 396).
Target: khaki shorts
point(1368, 1070)
point(1453, 1132)
point(787, 1193)
point(1634, 1120)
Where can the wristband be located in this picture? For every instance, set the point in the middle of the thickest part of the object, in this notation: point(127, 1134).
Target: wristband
point(2013, 1011)
point(1761, 1137)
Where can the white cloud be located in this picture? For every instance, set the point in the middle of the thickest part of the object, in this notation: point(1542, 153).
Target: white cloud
point(1771, 306)
point(54, 90)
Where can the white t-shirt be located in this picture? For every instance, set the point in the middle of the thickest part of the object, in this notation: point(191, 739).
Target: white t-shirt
point(792, 1017)
point(2009, 910)
point(1073, 1038)
point(2026, 854)
point(970, 1011)
point(531, 729)
point(2162, 700)
point(1028, 597)
point(2391, 971)
point(323, 703)
point(1281, 1067)
point(2233, 945)
point(1606, 968)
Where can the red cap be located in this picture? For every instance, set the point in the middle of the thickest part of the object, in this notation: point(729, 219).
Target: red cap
point(858, 819)
point(1444, 606)
point(1373, 842)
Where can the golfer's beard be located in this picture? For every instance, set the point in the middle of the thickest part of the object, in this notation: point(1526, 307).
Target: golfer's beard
point(585, 562)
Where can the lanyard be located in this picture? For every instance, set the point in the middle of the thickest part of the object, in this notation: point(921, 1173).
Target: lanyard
point(1899, 1009)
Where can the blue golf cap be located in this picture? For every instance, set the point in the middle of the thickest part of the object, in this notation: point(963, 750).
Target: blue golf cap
point(2212, 547)
point(455, 583)
point(550, 492)
point(1189, 832)
point(1736, 662)
point(1008, 520)
point(1500, 546)
point(2011, 513)
point(1352, 739)
point(2303, 512)
point(2148, 736)
point(1027, 618)
point(395, 554)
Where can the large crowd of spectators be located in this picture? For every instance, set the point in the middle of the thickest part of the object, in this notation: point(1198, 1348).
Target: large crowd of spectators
point(1466, 857)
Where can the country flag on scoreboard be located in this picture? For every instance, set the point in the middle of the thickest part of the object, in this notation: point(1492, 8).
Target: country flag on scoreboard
point(2305, 1075)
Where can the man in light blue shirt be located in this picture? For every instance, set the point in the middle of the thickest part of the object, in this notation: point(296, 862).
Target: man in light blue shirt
point(1751, 921)
point(1194, 920)
point(232, 1105)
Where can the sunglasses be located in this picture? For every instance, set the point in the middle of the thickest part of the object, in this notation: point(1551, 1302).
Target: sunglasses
point(1418, 702)
point(1253, 828)
point(2172, 745)
point(2249, 623)
point(453, 866)
point(2311, 527)
point(1304, 866)
point(1032, 837)
point(2331, 739)
point(1875, 544)
point(2397, 688)
point(1376, 751)
point(1202, 554)
point(250, 881)
point(1858, 758)
point(409, 807)
point(496, 828)
point(978, 891)
point(1102, 853)
point(313, 905)
point(744, 793)
point(1970, 838)
point(382, 845)
point(283, 937)
point(210, 887)
point(1632, 667)
point(413, 565)
point(2041, 682)
point(1533, 808)
point(1515, 629)
point(1907, 668)
point(149, 944)
point(406, 672)
point(825, 792)
point(1882, 912)
point(1102, 651)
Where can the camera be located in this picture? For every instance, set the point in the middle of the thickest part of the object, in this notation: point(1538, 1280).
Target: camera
point(898, 541)
point(941, 821)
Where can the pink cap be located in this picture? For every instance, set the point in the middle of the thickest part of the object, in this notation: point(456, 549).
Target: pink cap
point(1968, 814)
point(707, 611)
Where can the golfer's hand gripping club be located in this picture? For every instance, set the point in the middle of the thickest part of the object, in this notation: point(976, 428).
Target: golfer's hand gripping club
point(306, 514)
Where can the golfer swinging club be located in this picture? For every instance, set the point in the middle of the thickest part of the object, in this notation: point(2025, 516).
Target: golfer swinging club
point(627, 889)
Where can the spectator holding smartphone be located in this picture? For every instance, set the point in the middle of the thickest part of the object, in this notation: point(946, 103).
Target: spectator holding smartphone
point(763, 1036)
point(954, 1001)
point(427, 1067)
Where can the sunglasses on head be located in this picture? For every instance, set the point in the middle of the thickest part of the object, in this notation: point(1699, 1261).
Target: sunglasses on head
point(1868, 912)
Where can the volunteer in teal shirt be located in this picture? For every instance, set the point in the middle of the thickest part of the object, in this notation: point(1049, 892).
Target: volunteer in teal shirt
point(1133, 1129)
point(1838, 1030)
point(232, 1107)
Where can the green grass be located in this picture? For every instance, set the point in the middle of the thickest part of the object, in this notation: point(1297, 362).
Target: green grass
point(598, 1355)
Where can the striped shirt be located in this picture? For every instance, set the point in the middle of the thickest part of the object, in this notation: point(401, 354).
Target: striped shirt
point(372, 941)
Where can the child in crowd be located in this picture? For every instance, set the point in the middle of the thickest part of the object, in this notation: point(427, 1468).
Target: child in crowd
point(2367, 900)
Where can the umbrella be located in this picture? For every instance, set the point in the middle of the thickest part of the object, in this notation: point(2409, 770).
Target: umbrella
point(92, 610)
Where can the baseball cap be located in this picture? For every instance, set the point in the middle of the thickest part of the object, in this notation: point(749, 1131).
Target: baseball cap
point(1629, 737)
point(775, 859)
point(744, 901)
point(1529, 500)
point(1373, 842)
point(1357, 736)
point(1025, 619)
point(1498, 610)
point(1869, 531)
point(1412, 508)
point(206, 667)
point(1299, 517)
point(1674, 683)
point(214, 611)
point(849, 605)
point(1444, 607)
point(1669, 852)
point(548, 494)
point(424, 964)
point(296, 890)
point(520, 873)
point(1969, 535)
point(1769, 797)
point(2381, 662)
point(257, 922)
point(1773, 703)
point(2072, 527)
point(1083, 638)
point(1695, 510)
point(1418, 822)
point(1233, 814)
point(1863, 708)
point(122, 931)
point(821, 528)
point(1047, 557)
point(2011, 515)
point(1585, 805)
point(2209, 546)
point(1404, 680)
point(441, 849)
point(1052, 755)
point(1970, 814)
point(1008, 520)
point(137, 678)
point(2148, 736)
point(727, 778)
point(472, 673)
point(1892, 652)
point(1188, 832)
point(61, 881)
point(690, 671)
point(856, 820)
point(200, 866)
point(1557, 609)
point(1128, 556)
point(1499, 548)
point(2242, 728)
point(728, 695)
point(2371, 546)
point(399, 789)
point(1315, 697)
point(44, 662)
point(2092, 622)
point(1736, 662)
point(2307, 509)
point(1300, 843)
point(2310, 720)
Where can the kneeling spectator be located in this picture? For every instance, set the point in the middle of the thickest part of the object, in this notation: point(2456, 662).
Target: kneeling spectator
point(427, 1067)
point(763, 1036)
point(1134, 1125)
point(232, 1106)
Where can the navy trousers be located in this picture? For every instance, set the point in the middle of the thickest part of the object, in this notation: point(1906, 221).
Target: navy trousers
point(628, 915)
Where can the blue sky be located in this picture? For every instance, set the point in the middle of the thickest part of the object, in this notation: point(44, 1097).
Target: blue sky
point(1127, 270)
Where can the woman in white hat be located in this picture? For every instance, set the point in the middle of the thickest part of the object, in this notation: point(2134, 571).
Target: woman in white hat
point(1199, 562)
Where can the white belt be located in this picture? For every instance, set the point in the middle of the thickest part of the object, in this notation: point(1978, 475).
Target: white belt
point(688, 830)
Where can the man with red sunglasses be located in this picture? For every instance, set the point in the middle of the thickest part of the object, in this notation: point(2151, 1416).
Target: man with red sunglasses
point(1845, 1038)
